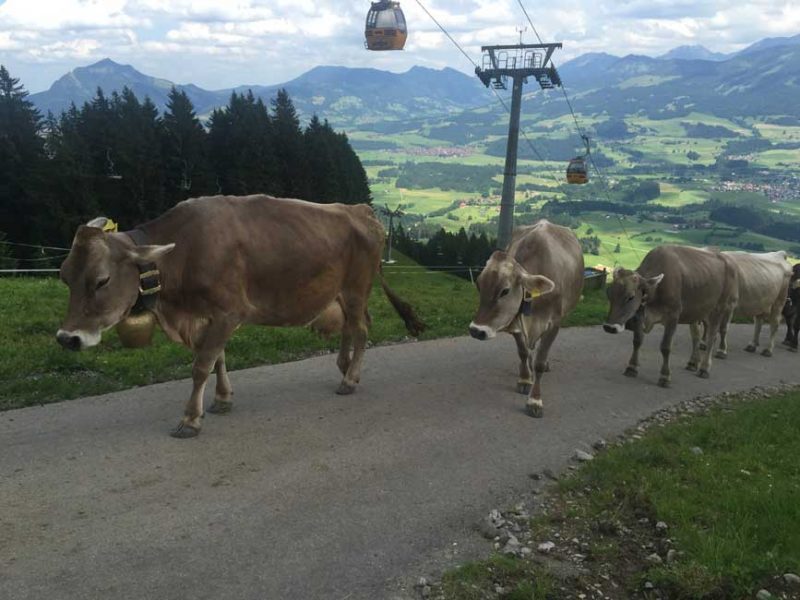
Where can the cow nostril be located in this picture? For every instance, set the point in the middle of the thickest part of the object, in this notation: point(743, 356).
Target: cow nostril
point(70, 342)
point(478, 334)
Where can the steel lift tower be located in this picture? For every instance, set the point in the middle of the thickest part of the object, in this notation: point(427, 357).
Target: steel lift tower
point(517, 61)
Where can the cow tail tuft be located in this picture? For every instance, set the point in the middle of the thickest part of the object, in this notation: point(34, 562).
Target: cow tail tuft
point(403, 308)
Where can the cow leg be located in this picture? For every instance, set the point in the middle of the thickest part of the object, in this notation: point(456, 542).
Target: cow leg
point(714, 322)
point(694, 360)
point(206, 354)
point(774, 324)
point(795, 330)
point(343, 360)
point(722, 352)
point(356, 326)
point(753, 346)
point(222, 399)
point(666, 348)
point(703, 345)
point(524, 382)
point(534, 406)
point(632, 370)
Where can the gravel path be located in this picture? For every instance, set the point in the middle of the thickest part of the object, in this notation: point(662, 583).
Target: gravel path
point(300, 493)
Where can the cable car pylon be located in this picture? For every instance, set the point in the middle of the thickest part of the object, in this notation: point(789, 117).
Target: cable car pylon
point(519, 62)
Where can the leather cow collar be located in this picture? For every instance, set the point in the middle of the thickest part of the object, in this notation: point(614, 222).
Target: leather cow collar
point(149, 277)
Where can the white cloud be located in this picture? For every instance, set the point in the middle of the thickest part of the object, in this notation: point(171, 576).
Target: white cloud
point(219, 43)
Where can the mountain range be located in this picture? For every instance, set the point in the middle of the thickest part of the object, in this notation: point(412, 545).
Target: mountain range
point(762, 79)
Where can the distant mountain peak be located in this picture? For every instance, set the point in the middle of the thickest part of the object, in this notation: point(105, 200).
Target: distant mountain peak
point(693, 52)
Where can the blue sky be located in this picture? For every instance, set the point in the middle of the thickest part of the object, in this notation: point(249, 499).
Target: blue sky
point(221, 43)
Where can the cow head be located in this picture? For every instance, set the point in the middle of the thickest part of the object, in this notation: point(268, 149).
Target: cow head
point(626, 294)
point(502, 285)
point(102, 274)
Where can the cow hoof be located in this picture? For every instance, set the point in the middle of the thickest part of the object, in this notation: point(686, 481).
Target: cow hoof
point(535, 408)
point(220, 407)
point(691, 366)
point(786, 343)
point(631, 372)
point(703, 374)
point(185, 431)
point(750, 348)
point(702, 346)
point(663, 382)
point(721, 354)
point(766, 352)
point(345, 388)
point(524, 388)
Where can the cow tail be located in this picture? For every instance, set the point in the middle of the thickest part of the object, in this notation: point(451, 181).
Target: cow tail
point(403, 308)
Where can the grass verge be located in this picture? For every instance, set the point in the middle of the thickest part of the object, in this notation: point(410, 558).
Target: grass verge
point(34, 369)
point(726, 485)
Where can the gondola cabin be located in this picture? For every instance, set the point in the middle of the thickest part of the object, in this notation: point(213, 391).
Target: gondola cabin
point(576, 170)
point(386, 26)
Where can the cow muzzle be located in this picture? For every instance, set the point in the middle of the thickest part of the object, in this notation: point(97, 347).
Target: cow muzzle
point(481, 332)
point(77, 340)
point(69, 341)
point(613, 327)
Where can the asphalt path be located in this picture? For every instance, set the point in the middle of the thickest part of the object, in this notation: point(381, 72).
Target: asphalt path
point(300, 493)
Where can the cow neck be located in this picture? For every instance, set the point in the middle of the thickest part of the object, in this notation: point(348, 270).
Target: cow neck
point(149, 277)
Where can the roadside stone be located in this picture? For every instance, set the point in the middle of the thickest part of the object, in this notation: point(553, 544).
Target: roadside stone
point(792, 579)
point(550, 475)
point(648, 585)
point(582, 456)
point(654, 559)
point(763, 595)
point(535, 476)
point(545, 547)
point(696, 450)
point(425, 591)
point(512, 546)
point(600, 444)
point(661, 526)
point(672, 554)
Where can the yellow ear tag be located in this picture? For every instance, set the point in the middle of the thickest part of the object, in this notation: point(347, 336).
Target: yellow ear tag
point(110, 226)
point(535, 294)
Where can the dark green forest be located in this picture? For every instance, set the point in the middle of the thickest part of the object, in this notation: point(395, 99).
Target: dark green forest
point(116, 156)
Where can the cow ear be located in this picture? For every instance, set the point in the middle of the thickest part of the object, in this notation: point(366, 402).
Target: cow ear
point(148, 254)
point(98, 222)
point(537, 285)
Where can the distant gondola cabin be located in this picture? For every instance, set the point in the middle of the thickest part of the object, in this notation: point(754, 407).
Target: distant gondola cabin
point(386, 26)
point(576, 171)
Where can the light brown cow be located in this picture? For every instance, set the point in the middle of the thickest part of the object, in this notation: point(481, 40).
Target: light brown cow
point(225, 261)
point(674, 284)
point(763, 280)
point(527, 291)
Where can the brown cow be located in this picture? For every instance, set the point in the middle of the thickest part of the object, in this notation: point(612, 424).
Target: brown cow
point(527, 290)
point(223, 261)
point(674, 284)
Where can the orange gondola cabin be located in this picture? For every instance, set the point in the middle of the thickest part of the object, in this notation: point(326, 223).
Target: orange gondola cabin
point(576, 170)
point(386, 26)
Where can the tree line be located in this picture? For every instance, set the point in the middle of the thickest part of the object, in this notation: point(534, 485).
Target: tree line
point(117, 156)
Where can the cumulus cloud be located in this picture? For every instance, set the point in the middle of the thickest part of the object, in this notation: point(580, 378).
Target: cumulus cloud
point(218, 44)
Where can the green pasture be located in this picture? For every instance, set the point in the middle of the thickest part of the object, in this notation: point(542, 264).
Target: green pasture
point(778, 159)
point(675, 196)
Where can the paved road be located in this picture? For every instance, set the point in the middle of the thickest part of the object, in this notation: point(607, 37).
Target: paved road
point(300, 493)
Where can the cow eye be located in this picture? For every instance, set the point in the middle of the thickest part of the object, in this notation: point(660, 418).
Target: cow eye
point(504, 292)
point(630, 298)
point(102, 282)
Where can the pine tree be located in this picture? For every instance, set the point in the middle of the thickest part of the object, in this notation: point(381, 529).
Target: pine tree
point(289, 148)
point(187, 172)
point(21, 161)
